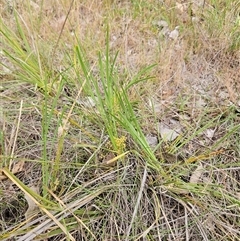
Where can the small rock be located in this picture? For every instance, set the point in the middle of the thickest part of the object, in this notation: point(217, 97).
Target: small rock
point(209, 133)
point(152, 140)
point(174, 34)
point(167, 133)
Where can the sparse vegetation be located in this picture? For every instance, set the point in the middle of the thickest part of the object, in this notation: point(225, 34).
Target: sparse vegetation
point(120, 120)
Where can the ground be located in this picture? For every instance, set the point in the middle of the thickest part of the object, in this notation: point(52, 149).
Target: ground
point(120, 120)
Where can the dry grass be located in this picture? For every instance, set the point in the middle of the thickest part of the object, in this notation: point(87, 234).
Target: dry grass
point(94, 186)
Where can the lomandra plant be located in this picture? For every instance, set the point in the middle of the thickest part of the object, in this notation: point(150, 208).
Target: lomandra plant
point(21, 48)
point(112, 100)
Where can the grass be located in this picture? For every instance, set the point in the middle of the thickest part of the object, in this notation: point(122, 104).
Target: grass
point(85, 89)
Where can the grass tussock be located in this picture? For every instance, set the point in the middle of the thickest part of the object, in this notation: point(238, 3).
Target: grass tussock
point(119, 120)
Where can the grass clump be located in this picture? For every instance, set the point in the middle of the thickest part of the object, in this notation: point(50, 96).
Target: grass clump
point(112, 129)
